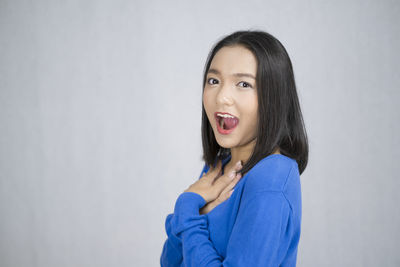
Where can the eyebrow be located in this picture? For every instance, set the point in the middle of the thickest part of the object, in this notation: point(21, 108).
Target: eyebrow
point(235, 74)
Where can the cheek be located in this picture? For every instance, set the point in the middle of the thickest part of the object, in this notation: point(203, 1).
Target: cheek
point(249, 108)
point(207, 100)
point(255, 116)
point(252, 120)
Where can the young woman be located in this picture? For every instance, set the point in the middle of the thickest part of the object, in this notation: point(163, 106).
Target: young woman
point(245, 209)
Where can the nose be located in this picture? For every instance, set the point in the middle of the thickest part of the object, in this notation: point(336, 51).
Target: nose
point(224, 96)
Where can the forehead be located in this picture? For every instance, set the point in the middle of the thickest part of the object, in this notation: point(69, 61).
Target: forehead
point(233, 59)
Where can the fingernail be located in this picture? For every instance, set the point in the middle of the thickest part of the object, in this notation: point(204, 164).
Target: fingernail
point(239, 164)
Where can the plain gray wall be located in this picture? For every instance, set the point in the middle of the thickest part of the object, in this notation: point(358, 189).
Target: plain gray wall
point(100, 107)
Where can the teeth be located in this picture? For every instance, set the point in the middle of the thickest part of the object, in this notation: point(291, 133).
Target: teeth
point(225, 115)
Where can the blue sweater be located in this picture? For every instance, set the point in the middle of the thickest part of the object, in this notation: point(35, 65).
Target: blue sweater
point(259, 225)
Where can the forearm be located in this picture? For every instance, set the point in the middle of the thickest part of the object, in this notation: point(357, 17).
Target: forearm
point(171, 255)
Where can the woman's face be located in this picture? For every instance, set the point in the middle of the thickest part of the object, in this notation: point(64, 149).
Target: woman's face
point(231, 88)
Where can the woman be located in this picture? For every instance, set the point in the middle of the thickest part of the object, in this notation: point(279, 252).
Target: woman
point(247, 215)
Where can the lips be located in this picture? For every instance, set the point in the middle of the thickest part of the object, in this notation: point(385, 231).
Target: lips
point(229, 124)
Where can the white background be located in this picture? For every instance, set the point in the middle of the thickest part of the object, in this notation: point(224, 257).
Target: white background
point(100, 107)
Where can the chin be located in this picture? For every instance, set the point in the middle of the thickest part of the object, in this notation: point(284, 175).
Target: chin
point(226, 143)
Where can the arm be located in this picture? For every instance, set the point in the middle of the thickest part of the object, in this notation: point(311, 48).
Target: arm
point(172, 250)
point(258, 235)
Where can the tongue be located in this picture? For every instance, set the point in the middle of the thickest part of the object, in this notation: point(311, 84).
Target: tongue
point(230, 123)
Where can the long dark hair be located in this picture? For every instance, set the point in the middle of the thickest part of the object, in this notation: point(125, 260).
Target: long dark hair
point(280, 122)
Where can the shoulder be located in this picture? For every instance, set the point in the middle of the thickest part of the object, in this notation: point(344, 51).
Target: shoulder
point(277, 174)
point(272, 173)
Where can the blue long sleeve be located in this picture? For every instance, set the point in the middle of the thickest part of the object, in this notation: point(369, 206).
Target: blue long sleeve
point(171, 255)
point(258, 226)
point(251, 242)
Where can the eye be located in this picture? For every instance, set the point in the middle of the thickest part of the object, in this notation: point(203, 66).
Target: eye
point(245, 84)
point(211, 79)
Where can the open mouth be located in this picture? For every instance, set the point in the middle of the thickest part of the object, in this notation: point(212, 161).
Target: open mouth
point(225, 122)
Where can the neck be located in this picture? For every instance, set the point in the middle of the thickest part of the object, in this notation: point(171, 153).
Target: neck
point(243, 153)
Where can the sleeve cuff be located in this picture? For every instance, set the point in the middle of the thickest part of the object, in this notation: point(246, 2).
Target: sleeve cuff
point(189, 203)
point(187, 214)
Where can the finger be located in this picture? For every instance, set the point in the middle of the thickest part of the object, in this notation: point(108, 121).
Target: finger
point(233, 171)
point(211, 205)
point(231, 192)
point(237, 166)
point(224, 196)
point(227, 178)
point(232, 184)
